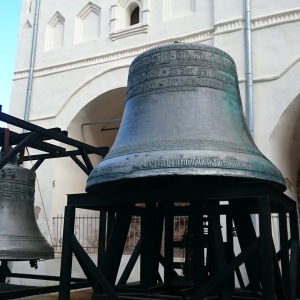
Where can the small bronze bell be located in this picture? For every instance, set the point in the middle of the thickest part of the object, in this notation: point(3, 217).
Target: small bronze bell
point(20, 237)
point(183, 121)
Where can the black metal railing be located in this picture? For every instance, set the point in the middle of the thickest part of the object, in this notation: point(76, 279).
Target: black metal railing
point(87, 232)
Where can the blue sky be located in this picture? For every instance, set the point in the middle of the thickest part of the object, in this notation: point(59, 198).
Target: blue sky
point(9, 25)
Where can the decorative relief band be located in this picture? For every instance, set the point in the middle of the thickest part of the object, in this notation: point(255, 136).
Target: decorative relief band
point(279, 18)
point(209, 162)
point(15, 188)
point(21, 238)
point(165, 145)
point(128, 31)
point(203, 70)
point(182, 67)
point(229, 26)
point(164, 82)
point(187, 54)
point(180, 84)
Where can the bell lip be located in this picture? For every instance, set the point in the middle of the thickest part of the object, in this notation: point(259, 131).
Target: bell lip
point(17, 255)
point(114, 170)
point(18, 248)
point(125, 184)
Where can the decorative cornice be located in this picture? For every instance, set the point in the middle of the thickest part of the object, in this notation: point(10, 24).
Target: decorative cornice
point(87, 9)
point(276, 19)
point(228, 26)
point(57, 17)
point(220, 28)
point(128, 31)
point(122, 54)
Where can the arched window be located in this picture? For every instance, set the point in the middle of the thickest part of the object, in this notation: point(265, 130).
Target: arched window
point(129, 17)
point(135, 16)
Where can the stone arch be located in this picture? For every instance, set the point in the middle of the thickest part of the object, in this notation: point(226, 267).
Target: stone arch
point(107, 80)
point(284, 145)
point(95, 124)
point(98, 121)
point(99, 99)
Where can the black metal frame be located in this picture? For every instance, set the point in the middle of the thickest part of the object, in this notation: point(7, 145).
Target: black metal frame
point(35, 137)
point(266, 280)
point(243, 200)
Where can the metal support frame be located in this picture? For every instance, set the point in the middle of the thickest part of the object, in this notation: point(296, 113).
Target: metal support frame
point(36, 138)
point(270, 275)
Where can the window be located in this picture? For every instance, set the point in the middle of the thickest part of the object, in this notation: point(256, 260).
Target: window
point(135, 16)
point(129, 17)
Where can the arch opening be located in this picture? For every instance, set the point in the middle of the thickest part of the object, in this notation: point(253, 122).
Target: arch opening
point(95, 124)
point(284, 147)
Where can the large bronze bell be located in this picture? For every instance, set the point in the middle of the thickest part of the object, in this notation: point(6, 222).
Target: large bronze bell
point(183, 122)
point(20, 237)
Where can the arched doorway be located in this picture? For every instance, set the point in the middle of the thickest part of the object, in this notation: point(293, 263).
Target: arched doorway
point(95, 124)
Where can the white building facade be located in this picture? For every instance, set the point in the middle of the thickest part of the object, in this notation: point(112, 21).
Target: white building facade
point(84, 50)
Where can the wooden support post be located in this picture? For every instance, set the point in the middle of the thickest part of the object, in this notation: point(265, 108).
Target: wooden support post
point(86, 159)
point(229, 248)
point(198, 243)
point(131, 263)
point(216, 280)
point(168, 243)
point(148, 220)
point(91, 270)
point(4, 271)
point(6, 141)
point(116, 244)
point(246, 235)
point(294, 255)
point(266, 249)
point(217, 246)
point(110, 223)
point(278, 282)
point(101, 238)
point(66, 255)
point(158, 238)
point(284, 249)
point(152, 225)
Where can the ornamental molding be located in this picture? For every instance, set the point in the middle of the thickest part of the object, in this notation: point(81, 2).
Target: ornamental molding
point(204, 35)
point(228, 26)
point(276, 19)
point(122, 54)
point(128, 31)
